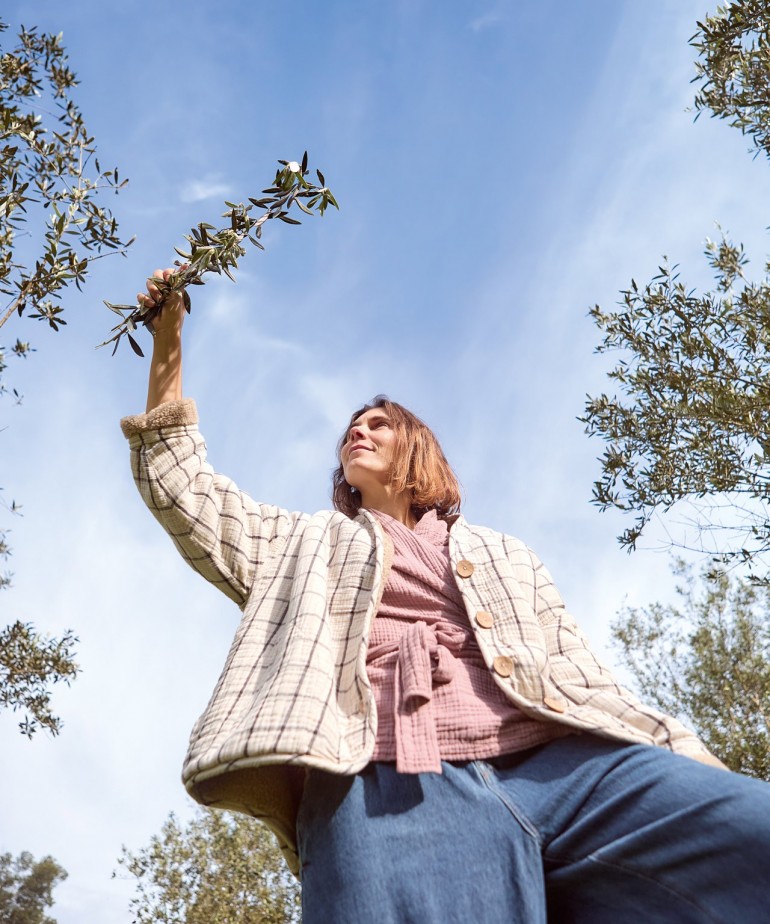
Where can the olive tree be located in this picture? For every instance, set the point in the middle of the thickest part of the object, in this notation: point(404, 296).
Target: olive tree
point(707, 660)
point(689, 424)
point(688, 430)
point(53, 225)
point(220, 868)
point(26, 888)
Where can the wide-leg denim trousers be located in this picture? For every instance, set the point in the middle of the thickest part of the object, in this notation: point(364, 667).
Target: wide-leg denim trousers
point(581, 830)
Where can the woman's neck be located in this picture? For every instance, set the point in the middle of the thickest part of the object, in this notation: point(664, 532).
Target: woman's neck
point(398, 506)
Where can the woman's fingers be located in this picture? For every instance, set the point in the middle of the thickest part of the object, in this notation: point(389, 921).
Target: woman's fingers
point(153, 295)
point(172, 306)
point(152, 288)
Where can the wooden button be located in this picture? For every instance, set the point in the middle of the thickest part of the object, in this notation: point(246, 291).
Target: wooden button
point(503, 665)
point(484, 619)
point(556, 703)
point(464, 568)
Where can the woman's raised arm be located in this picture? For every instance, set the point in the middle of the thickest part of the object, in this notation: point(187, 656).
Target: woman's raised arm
point(166, 366)
point(220, 531)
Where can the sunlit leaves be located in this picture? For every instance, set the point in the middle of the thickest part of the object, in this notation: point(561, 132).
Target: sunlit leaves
point(26, 888)
point(707, 661)
point(734, 61)
point(221, 868)
point(50, 181)
point(691, 418)
point(51, 186)
point(212, 250)
point(29, 665)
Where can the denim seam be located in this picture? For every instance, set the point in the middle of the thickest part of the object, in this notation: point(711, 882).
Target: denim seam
point(488, 778)
point(592, 858)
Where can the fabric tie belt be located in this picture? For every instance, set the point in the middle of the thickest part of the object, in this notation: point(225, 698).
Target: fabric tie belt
point(426, 658)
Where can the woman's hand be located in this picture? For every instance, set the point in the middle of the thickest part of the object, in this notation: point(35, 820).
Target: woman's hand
point(171, 317)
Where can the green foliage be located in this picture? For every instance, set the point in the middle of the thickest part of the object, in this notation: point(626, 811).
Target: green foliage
point(218, 251)
point(221, 868)
point(51, 228)
point(690, 428)
point(26, 887)
point(45, 160)
point(693, 419)
point(708, 661)
point(691, 425)
point(29, 665)
point(733, 46)
point(19, 349)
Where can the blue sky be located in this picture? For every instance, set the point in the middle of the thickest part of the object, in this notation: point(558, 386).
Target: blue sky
point(500, 167)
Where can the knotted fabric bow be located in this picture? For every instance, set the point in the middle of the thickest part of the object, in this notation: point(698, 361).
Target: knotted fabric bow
point(426, 659)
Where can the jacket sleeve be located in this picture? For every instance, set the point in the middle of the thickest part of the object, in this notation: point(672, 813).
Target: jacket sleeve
point(580, 675)
point(220, 531)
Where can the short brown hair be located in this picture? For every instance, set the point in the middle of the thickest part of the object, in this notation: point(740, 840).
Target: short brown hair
point(420, 465)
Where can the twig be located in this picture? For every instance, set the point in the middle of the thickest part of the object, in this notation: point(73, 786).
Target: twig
point(213, 251)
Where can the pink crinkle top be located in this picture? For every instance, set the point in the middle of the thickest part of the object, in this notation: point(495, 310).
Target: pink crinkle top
point(436, 698)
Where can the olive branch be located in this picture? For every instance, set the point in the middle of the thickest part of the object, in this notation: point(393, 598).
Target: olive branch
point(213, 251)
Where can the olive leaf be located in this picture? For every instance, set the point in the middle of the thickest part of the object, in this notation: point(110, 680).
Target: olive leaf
point(218, 251)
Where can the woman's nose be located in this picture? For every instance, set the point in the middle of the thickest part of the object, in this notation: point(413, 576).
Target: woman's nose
point(356, 433)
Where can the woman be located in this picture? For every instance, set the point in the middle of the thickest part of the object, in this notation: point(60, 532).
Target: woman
point(409, 707)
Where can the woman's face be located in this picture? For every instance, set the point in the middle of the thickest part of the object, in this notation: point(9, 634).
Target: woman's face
point(367, 452)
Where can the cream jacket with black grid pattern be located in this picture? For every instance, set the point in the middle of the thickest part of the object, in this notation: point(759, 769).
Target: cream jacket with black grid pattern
point(293, 692)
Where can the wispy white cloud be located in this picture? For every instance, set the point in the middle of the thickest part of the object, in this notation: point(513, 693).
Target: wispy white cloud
point(602, 221)
point(232, 311)
point(207, 187)
point(486, 20)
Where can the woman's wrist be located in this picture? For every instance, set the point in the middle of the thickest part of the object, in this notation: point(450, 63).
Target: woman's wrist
point(173, 330)
point(167, 335)
point(166, 327)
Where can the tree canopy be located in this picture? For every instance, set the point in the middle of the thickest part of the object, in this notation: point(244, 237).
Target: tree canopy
point(29, 665)
point(732, 69)
point(26, 888)
point(48, 172)
point(690, 431)
point(52, 226)
point(691, 425)
point(708, 662)
point(221, 868)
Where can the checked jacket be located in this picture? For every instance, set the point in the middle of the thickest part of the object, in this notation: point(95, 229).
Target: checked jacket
point(293, 692)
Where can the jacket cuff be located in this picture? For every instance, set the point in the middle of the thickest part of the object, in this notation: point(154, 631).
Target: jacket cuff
point(182, 413)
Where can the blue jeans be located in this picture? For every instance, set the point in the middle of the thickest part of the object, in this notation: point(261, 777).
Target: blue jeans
point(581, 830)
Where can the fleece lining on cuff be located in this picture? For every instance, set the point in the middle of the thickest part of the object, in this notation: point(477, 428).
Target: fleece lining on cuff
point(169, 414)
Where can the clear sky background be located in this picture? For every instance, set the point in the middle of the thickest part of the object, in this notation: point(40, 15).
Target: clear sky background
point(501, 166)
